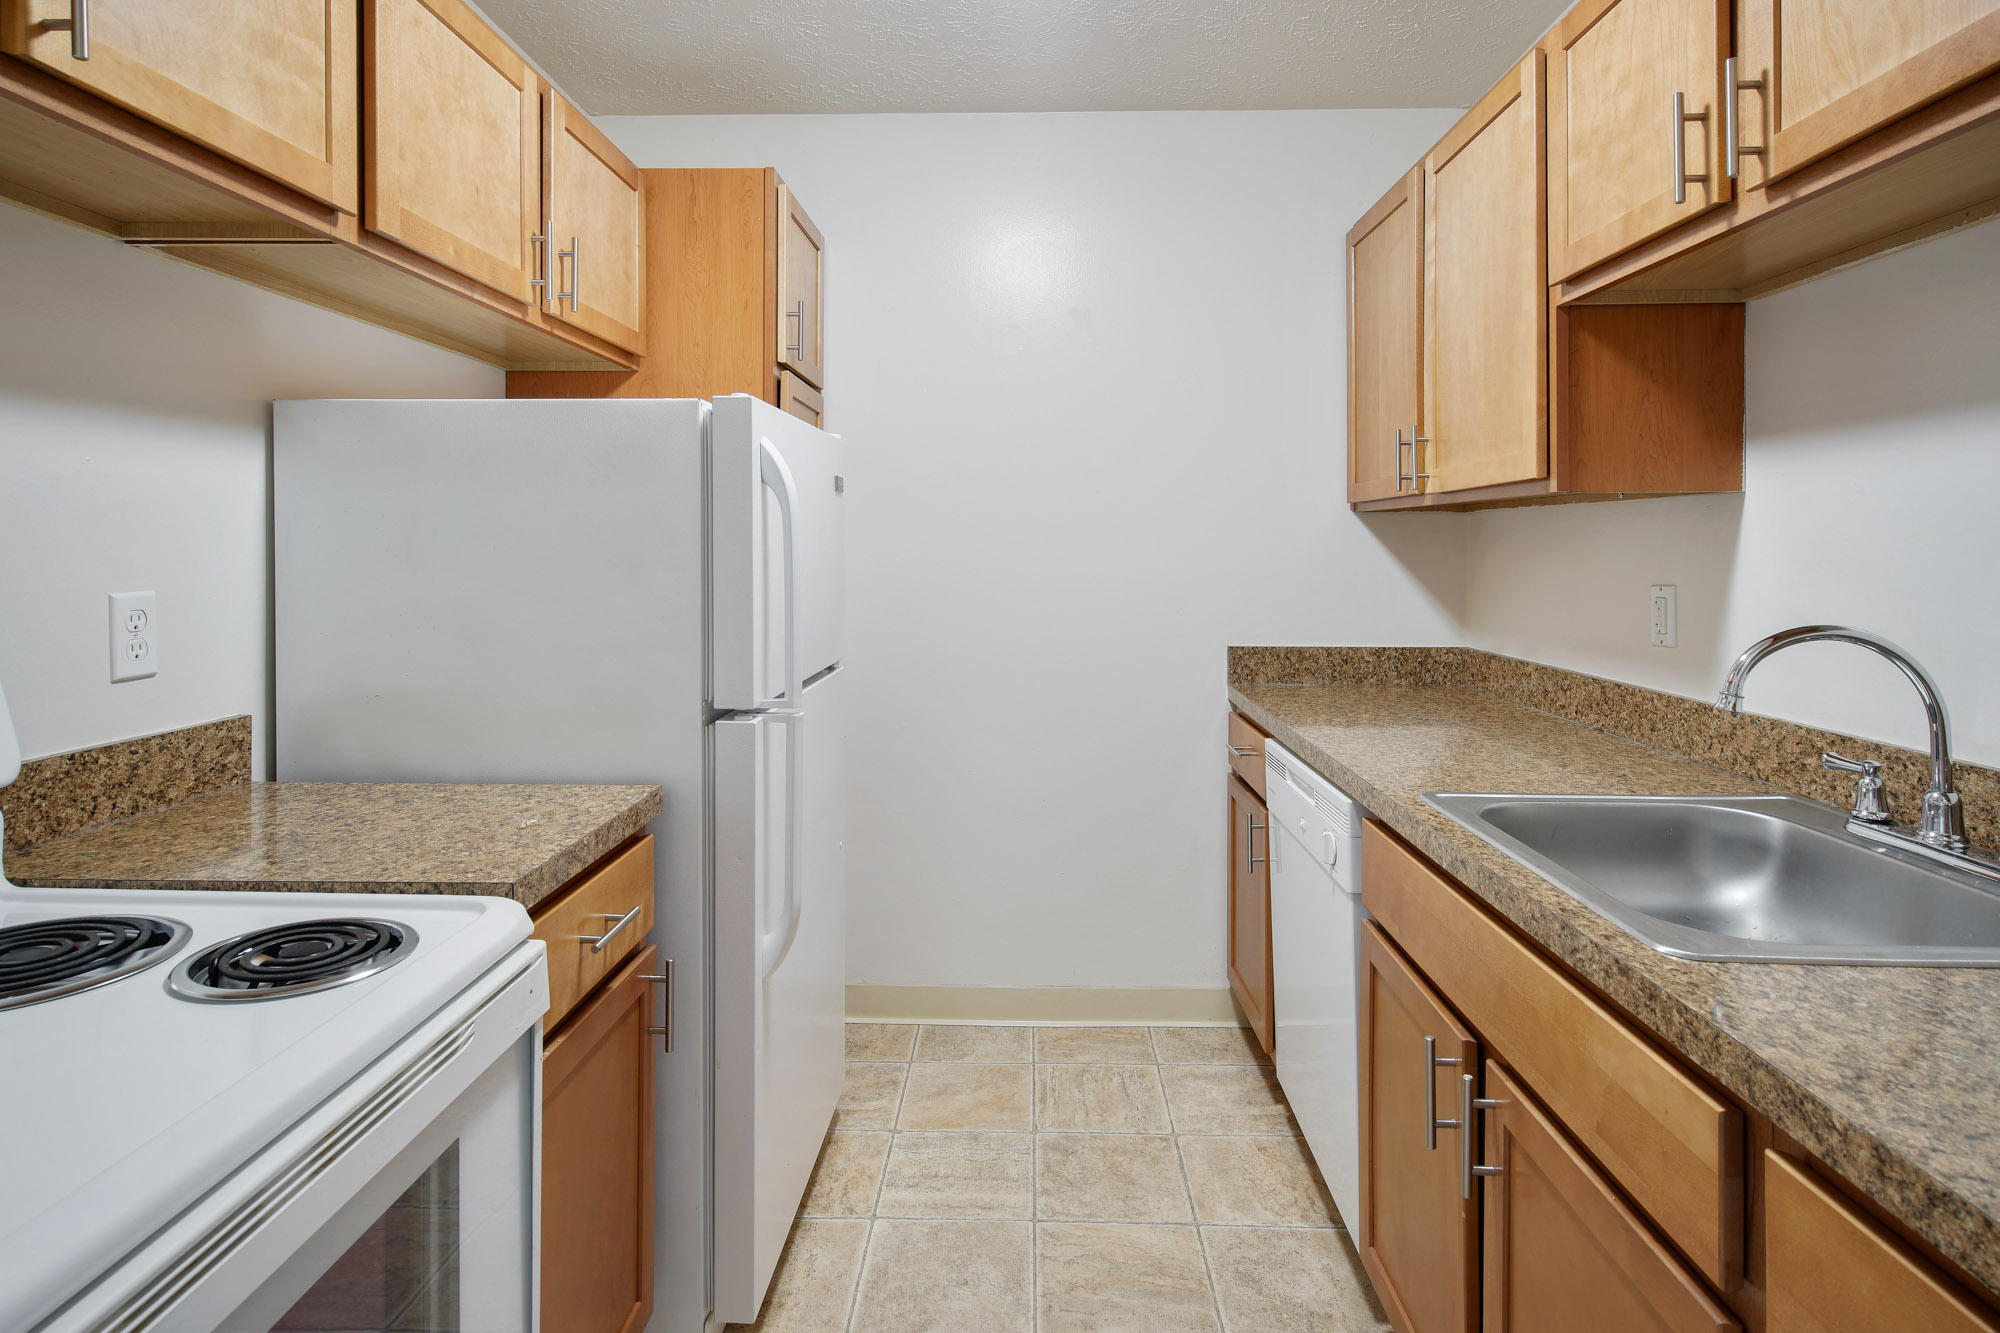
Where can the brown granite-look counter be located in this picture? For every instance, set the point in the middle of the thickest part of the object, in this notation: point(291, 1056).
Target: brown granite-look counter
point(1885, 1073)
point(521, 842)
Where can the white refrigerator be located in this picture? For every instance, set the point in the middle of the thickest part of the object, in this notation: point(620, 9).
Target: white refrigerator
point(593, 591)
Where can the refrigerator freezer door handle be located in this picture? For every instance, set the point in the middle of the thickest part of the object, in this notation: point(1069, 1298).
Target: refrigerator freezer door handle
point(772, 946)
point(779, 478)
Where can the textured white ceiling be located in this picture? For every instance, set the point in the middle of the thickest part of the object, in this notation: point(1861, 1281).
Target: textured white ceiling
point(637, 57)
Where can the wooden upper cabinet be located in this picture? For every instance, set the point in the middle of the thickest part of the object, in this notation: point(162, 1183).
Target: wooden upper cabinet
point(801, 284)
point(1486, 292)
point(1385, 278)
point(1249, 845)
point(1835, 70)
point(596, 211)
point(1618, 156)
point(1564, 1254)
point(271, 85)
point(801, 399)
point(1418, 1236)
point(453, 142)
point(1830, 1268)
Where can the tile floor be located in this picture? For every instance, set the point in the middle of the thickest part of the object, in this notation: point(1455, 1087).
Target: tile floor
point(1065, 1180)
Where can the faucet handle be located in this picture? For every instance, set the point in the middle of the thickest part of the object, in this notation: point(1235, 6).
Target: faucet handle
point(1871, 803)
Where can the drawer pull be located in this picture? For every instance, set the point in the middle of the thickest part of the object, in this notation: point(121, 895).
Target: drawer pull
point(1241, 751)
point(597, 942)
point(1432, 1063)
point(665, 1030)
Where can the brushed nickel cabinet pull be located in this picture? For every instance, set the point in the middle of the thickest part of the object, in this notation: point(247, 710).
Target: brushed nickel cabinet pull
point(77, 25)
point(1250, 827)
point(597, 942)
point(540, 241)
point(1733, 86)
point(1467, 1104)
point(1432, 1063)
point(575, 257)
point(796, 349)
point(666, 1028)
point(1678, 118)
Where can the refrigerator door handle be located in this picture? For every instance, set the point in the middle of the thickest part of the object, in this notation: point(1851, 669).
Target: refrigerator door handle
point(772, 946)
point(779, 478)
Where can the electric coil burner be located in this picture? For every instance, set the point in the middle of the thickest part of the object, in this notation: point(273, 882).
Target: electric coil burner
point(293, 959)
point(45, 959)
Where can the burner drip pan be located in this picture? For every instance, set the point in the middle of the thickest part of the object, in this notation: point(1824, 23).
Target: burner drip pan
point(296, 958)
point(43, 960)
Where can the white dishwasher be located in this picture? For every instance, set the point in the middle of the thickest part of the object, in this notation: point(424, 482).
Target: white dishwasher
point(1316, 917)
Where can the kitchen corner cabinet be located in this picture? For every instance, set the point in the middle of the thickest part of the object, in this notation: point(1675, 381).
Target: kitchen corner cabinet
point(452, 120)
point(1472, 388)
point(734, 297)
point(1622, 167)
point(597, 1096)
point(272, 87)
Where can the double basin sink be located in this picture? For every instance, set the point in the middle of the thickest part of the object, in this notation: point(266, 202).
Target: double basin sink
point(1767, 879)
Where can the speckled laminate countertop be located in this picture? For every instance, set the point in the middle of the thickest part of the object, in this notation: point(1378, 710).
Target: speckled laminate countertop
point(1886, 1073)
point(519, 842)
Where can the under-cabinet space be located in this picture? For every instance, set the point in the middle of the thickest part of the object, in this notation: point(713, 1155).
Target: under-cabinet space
point(1249, 899)
point(270, 86)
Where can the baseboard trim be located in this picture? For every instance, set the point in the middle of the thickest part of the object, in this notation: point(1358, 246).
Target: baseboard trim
point(1082, 1006)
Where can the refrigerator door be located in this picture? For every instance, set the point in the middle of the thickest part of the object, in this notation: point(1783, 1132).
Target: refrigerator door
point(776, 543)
point(780, 977)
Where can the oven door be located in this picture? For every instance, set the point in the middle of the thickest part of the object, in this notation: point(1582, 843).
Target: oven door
point(409, 1201)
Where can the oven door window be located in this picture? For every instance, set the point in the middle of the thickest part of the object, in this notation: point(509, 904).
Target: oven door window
point(401, 1276)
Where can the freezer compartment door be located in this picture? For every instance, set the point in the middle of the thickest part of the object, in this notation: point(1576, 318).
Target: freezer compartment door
point(780, 977)
point(776, 550)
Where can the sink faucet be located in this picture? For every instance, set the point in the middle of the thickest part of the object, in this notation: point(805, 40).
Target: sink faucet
point(1942, 825)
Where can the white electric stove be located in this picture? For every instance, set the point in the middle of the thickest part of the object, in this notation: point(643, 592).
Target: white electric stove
point(267, 1111)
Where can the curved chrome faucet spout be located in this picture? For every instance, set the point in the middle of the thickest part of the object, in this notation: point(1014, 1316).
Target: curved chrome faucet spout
point(1943, 821)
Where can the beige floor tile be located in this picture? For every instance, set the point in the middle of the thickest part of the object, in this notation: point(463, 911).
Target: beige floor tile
point(1095, 1046)
point(847, 1175)
point(1255, 1181)
point(1102, 1099)
point(1122, 1279)
point(959, 1175)
point(953, 1096)
point(880, 1041)
point(1286, 1281)
point(815, 1277)
point(969, 1043)
point(869, 1098)
point(1109, 1178)
point(1208, 1046)
point(1226, 1099)
point(926, 1276)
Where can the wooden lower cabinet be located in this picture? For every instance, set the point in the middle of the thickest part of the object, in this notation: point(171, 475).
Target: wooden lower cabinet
point(1250, 908)
point(1563, 1253)
point(1418, 1237)
point(597, 1159)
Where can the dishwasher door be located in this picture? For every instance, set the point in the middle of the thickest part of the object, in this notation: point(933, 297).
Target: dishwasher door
point(1316, 949)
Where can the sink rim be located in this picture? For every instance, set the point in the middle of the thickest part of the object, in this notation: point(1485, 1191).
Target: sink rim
point(1687, 942)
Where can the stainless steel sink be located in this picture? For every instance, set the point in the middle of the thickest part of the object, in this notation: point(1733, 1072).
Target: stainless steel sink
point(1771, 879)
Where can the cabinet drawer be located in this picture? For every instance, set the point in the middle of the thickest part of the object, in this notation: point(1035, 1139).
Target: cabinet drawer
point(580, 915)
point(1830, 1268)
point(1671, 1144)
point(1246, 752)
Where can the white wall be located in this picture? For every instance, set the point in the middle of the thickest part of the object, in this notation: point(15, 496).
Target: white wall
point(1092, 368)
point(1872, 476)
point(134, 422)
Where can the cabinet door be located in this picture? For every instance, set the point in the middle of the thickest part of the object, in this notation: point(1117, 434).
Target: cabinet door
point(1419, 1236)
point(801, 283)
point(1835, 70)
point(453, 123)
point(1250, 908)
point(1830, 1268)
point(800, 399)
point(597, 1159)
point(1618, 155)
point(1485, 292)
point(1564, 1254)
point(270, 83)
point(1385, 279)
point(596, 228)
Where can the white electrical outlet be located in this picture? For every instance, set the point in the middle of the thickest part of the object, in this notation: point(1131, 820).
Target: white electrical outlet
point(1665, 632)
point(135, 636)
